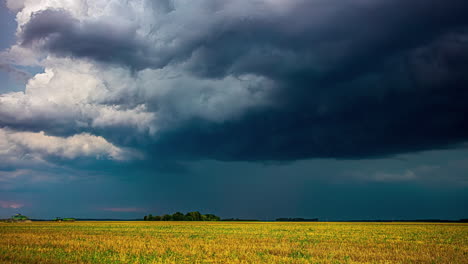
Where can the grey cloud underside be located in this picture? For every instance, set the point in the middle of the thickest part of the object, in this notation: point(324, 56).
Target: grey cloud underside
point(355, 80)
point(64, 35)
point(319, 37)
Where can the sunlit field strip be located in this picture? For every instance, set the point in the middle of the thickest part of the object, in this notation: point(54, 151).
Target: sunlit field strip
point(232, 242)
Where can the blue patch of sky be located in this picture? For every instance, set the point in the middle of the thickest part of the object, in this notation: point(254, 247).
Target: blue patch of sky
point(8, 38)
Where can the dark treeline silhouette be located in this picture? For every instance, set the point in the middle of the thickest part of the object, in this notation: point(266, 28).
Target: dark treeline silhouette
point(178, 216)
point(296, 220)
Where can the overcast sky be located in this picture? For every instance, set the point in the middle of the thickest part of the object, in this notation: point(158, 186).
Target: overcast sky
point(336, 109)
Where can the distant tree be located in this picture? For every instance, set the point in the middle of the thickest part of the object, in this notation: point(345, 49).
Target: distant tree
point(178, 216)
point(194, 216)
point(188, 217)
point(212, 217)
point(167, 217)
point(20, 217)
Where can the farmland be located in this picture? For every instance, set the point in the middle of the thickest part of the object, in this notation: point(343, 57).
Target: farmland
point(232, 242)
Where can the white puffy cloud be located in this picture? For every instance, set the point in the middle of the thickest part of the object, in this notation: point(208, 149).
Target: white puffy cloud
point(31, 145)
point(71, 94)
point(15, 5)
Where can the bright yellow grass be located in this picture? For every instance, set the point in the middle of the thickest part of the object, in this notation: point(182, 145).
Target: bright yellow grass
point(232, 242)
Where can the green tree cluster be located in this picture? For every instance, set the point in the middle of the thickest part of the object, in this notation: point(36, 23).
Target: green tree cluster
point(178, 216)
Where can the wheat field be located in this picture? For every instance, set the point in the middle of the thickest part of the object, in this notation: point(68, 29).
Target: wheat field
point(232, 242)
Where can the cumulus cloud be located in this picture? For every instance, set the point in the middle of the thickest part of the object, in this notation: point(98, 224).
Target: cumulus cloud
point(15, 5)
point(246, 80)
point(58, 31)
point(18, 144)
point(75, 95)
point(69, 96)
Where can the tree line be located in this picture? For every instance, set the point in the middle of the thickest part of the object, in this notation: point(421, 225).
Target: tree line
point(178, 216)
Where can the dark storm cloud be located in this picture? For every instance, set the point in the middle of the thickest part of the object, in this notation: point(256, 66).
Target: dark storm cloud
point(316, 37)
point(62, 34)
point(356, 79)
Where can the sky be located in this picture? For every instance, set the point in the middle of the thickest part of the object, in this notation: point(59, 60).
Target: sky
point(329, 109)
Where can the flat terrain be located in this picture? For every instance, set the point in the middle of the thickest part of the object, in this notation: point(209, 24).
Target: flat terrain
point(232, 242)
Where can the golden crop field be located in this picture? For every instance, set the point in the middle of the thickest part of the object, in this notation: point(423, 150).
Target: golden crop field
point(232, 242)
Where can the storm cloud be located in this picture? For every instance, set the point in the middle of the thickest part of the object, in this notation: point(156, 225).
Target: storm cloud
point(258, 109)
point(249, 80)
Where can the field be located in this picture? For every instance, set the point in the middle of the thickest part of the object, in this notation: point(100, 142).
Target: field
point(232, 242)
